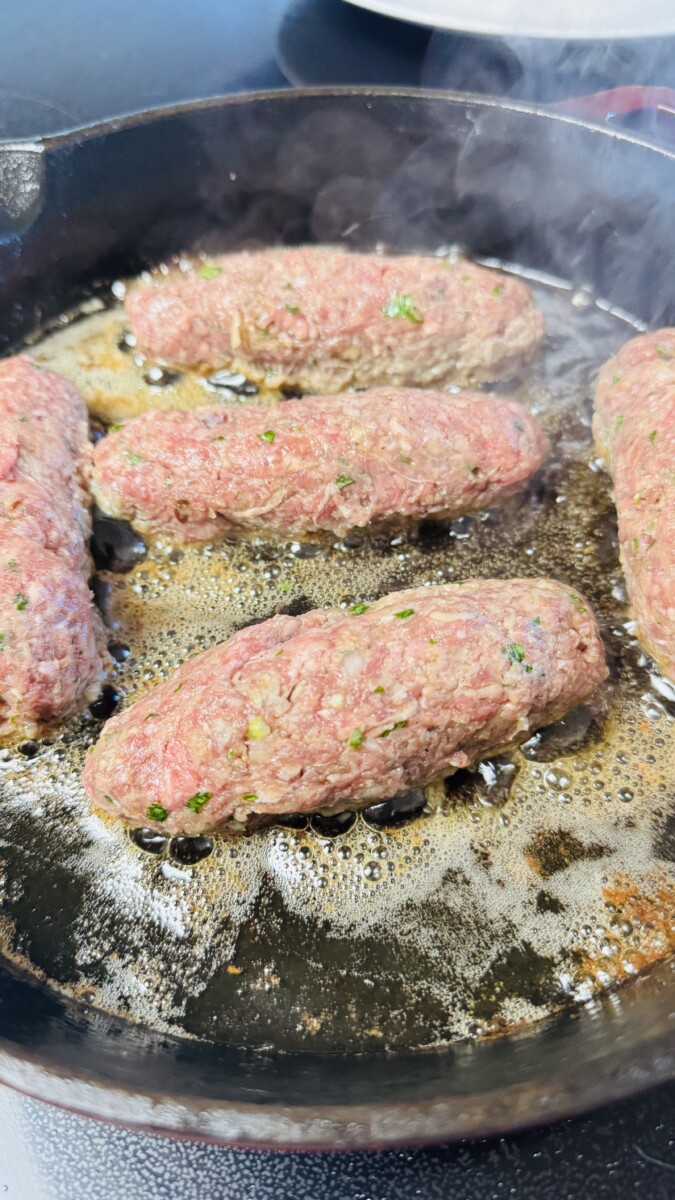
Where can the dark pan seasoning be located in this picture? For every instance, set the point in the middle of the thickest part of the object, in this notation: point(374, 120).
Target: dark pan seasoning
point(477, 907)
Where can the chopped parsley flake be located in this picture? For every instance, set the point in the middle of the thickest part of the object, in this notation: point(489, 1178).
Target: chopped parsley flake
point(515, 652)
point(210, 272)
point(292, 308)
point(404, 458)
point(267, 436)
point(133, 459)
point(635, 544)
point(3, 639)
point(344, 481)
point(528, 668)
point(20, 601)
point(197, 802)
point(405, 612)
point(663, 350)
point(256, 729)
point(13, 566)
point(250, 797)
point(402, 306)
point(149, 716)
point(618, 423)
point(536, 621)
point(615, 379)
point(496, 290)
point(357, 609)
point(578, 604)
point(178, 687)
point(433, 642)
point(114, 428)
point(356, 739)
point(398, 725)
point(156, 812)
point(652, 436)
point(379, 689)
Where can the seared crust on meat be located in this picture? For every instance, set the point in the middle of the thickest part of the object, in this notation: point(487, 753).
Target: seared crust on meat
point(298, 713)
point(323, 320)
point(634, 427)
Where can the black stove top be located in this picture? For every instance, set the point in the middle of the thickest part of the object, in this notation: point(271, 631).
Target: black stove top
point(65, 65)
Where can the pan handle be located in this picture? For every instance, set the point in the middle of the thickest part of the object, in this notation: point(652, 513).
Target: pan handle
point(604, 106)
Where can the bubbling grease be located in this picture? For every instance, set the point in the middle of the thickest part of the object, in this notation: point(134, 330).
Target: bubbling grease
point(532, 882)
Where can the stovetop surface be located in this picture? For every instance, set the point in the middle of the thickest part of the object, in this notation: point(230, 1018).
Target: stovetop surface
point(66, 65)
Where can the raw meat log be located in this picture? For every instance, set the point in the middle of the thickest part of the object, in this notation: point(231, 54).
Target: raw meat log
point(332, 707)
point(50, 633)
point(634, 428)
point(50, 637)
point(326, 462)
point(322, 320)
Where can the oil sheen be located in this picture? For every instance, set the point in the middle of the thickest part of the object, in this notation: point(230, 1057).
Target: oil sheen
point(528, 884)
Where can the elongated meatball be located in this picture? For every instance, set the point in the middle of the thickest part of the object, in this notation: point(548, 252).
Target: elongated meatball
point(634, 428)
point(323, 320)
point(326, 462)
point(51, 636)
point(301, 712)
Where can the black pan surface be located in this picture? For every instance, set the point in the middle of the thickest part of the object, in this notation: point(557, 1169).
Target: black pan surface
point(505, 182)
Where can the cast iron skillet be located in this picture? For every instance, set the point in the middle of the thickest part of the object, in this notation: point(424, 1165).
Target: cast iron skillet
point(543, 190)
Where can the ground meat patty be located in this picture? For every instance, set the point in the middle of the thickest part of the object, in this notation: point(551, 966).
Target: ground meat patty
point(327, 462)
point(50, 658)
point(634, 429)
point(44, 453)
point(297, 713)
point(50, 633)
point(323, 320)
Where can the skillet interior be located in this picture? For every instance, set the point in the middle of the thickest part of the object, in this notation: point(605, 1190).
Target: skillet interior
point(504, 183)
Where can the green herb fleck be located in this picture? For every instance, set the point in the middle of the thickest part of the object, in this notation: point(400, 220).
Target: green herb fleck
point(197, 802)
point(433, 642)
point(619, 422)
point(496, 290)
point(379, 689)
point(578, 603)
point(267, 436)
point(357, 609)
point(356, 739)
point(615, 379)
point(149, 716)
point(292, 308)
point(250, 797)
point(220, 438)
point(13, 566)
point(637, 497)
point(134, 459)
point(114, 428)
point(20, 601)
point(663, 350)
point(652, 436)
point(256, 729)
point(279, 652)
point(23, 417)
point(398, 725)
point(635, 544)
point(288, 284)
point(210, 272)
point(402, 306)
point(536, 621)
point(178, 687)
point(528, 668)
point(405, 612)
point(404, 458)
point(515, 652)
point(156, 812)
point(3, 639)
point(344, 481)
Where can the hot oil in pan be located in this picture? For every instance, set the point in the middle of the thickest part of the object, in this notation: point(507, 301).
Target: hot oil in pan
point(535, 881)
